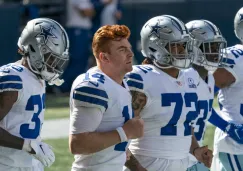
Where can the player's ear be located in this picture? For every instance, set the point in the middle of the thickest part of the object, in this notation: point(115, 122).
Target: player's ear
point(103, 57)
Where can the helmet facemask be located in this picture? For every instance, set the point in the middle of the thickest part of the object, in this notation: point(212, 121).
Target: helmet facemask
point(209, 54)
point(50, 65)
point(178, 54)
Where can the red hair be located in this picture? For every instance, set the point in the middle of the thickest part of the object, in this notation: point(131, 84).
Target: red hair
point(105, 34)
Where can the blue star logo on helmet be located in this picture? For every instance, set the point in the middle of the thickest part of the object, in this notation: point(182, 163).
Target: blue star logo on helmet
point(46, 33)
point(241, 17)
point(155, 29)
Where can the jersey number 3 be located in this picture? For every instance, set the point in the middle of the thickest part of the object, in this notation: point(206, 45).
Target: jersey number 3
point(25, 130)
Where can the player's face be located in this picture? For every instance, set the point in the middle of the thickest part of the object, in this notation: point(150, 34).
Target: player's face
point(121, 55)
point(53, 63)
point(212, 51)
point(177, 48)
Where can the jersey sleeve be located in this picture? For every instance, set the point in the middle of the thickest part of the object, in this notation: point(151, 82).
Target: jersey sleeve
point(84, 119)
point(10, 81)
point(91, 94)
point(135, 81)
point(234, 61)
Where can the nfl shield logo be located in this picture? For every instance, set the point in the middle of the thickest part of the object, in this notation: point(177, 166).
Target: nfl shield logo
point(179, 83)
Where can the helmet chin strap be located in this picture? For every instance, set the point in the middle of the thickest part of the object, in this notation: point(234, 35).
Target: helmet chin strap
point(53, 81)
point(34, 71)
point(161, 67)
point(51, 78)
point(56, 82)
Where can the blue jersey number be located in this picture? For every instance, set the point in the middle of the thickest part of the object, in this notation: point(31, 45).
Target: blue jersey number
point(122, 146)
point(25, 130)
point(100, 78)
point(206, 107)
point(145, 69)
point(167, 100)
point(237, 52)
point(5, 68)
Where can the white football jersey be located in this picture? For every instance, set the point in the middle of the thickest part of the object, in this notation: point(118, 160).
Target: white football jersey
point(231, 102)
point(27, 114)
point(205, 93)
point(95, 89)
point(168, 114)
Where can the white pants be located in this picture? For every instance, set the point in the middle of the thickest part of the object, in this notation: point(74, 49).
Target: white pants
point(160, 164)
point(37, 166)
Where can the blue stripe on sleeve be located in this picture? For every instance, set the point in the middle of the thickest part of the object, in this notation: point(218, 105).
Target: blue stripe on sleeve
point(17, 86)
point(134, 76)
point(230, 162)
point(216, 120)
point(135, 84)
point(237, 163)
point(91, 100)
point(93, 91)
point(10, 78)
point(228, 61)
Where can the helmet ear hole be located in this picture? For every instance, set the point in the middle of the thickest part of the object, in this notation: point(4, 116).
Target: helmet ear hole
point(31, 48)
point(152, 49)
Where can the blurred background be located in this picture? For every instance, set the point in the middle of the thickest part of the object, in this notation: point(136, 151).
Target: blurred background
point(82, 18)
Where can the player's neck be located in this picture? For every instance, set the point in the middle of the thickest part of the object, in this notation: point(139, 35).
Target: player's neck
point(201, 71)
point(173, 72)
point(115, 76)
point(25, 63)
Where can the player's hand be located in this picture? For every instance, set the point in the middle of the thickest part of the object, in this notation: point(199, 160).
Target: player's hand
point(235, 132)
point(134, 128)
point(204, 155)
point(41, 151)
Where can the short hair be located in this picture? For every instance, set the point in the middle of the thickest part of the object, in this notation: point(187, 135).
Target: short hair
point(147, 61)
point(105, 34)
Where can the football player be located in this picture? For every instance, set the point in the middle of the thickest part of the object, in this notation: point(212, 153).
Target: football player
point(228, 152)
point(44, 47)
point(208, 52)
point(165, 97)
point(102, 122)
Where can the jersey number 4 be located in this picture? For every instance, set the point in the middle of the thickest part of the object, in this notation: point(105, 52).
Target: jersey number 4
point(25, 130)
point(167, 99)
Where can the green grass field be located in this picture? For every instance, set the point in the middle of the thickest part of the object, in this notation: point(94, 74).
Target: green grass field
point(64, 158)
point(58, 107)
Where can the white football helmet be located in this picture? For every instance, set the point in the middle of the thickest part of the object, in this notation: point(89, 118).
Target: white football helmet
point(45, 44)
point(209, 44)
point(160, 37)
point(238, 24)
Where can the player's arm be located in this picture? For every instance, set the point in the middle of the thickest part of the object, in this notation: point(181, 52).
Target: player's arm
point(202, 154)
point(83, 139)
point(194, 143)
point(217, 121)
point(86, 116)
point(139, 100)
point(84, 7)
point(233, 130)
point(133, 164)
point(7, 100)
point(223, 78)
